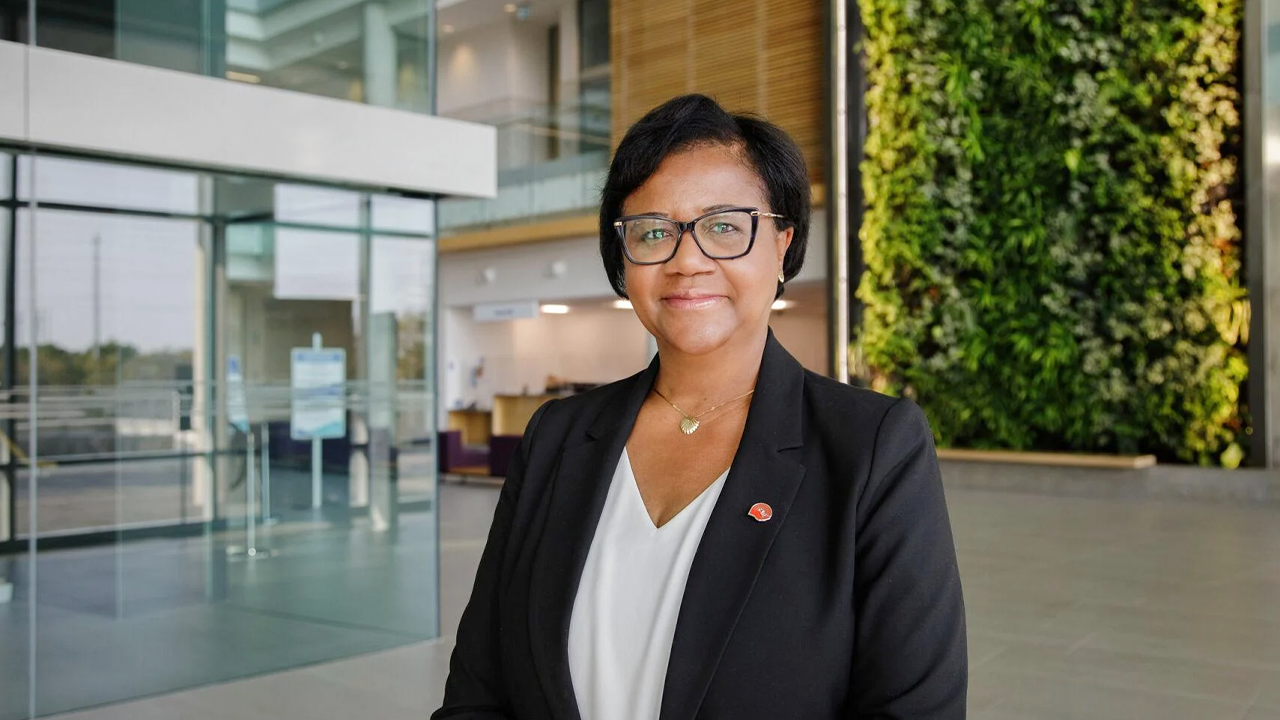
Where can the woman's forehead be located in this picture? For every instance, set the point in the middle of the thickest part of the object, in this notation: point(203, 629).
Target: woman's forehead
point(696, 178)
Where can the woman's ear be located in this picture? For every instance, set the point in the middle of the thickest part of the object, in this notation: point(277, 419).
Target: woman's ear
point(784, 242)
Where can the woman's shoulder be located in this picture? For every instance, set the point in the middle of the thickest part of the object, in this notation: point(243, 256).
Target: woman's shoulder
point(560, 414)
point(859, 412)
point(828, 392)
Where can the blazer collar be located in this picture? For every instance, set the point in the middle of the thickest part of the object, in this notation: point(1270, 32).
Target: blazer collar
point(729, 558)
point(735, 545)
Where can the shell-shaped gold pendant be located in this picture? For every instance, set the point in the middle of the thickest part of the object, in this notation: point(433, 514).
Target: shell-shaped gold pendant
point(688, 425)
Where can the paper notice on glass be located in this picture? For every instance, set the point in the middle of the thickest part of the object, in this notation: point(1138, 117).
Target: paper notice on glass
point(318, 379)
point(237, 408)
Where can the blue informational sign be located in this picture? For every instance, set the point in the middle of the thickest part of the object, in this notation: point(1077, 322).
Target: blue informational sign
point(318, 380)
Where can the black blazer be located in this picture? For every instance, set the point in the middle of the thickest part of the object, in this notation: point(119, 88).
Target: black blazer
point(846, 604)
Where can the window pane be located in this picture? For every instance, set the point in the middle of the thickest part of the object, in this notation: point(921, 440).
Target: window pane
point(311, 265)
point(98, 184)
point(593, 24)
point(6, 177)
point(403, 214)
point(402, 288)
point(115, 319)
point(310, 205)
point(373, 52)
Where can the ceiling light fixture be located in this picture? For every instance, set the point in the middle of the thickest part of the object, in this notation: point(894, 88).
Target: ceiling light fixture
point(622, 304)
point(447, 29)
point(509, 7)
point(555, 309)
point(781, 304)
point(243, 77)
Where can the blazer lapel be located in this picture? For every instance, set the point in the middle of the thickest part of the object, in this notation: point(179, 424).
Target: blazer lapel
point(734, 545)
point(576, 499)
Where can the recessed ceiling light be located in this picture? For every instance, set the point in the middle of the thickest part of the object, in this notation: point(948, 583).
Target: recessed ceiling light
point(622, 304)
point(555, 309)
point(447, 29)
point(509, 7)
point(781, 304)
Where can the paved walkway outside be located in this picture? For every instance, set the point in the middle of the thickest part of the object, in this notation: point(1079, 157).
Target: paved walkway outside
point(1078, 608)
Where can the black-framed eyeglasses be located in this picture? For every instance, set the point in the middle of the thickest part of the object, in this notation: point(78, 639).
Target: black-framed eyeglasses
point(723, 234)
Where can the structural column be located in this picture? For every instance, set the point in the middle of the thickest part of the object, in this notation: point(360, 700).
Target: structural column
point(1262, 230)
point(380, 64)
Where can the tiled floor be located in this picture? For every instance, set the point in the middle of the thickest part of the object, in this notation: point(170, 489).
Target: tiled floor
point(1078, 608)
point(125, 621)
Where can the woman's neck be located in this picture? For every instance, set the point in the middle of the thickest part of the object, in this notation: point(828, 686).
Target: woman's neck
point(695, 382)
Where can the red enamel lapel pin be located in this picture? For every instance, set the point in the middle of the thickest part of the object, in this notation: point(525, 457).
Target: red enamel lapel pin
point(761, 512)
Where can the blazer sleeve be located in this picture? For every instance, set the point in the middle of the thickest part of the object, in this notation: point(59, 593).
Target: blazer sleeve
point(475, 687)
point(911, 657)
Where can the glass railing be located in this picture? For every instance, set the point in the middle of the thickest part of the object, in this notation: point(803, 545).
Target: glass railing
point(373, 52)
point(551, 162)
point(140, 444)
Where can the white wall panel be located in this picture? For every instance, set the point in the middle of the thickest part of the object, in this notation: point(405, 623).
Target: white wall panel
point(106, 107)
point(13, 84)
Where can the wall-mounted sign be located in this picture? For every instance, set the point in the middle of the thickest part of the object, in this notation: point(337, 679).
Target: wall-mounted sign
point(498, 312)
point(318, 378)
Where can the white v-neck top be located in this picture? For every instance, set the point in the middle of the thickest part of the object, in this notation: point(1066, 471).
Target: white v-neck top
point(624, 615)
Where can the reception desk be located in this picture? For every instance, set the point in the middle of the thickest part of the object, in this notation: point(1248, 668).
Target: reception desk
point(511, 413)
point(491, 436)
point(509, 416)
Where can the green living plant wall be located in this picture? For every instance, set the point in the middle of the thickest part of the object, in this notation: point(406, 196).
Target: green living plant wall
point(1050, 231)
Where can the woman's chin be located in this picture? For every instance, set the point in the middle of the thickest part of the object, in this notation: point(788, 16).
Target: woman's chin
point(696, 339)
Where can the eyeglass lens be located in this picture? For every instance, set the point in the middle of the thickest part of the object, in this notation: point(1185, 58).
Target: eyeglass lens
point(721, 236)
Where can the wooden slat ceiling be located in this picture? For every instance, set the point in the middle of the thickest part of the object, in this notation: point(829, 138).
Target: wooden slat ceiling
point(750, 55)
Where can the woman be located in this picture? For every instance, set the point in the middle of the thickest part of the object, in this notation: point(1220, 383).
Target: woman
point(723, 535)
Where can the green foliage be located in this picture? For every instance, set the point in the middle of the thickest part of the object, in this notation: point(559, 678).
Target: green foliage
point(112, 364)
point(1052, 250)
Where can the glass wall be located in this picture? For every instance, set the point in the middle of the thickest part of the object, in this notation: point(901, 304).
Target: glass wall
point(377, 52)
point(543, 80)
point(219, 435)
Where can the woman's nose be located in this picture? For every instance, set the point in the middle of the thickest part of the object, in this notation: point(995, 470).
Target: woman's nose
point(689, 258)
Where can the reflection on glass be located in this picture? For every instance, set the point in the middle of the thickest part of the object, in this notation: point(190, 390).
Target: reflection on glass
point(6, 177)
point(537, 178)
point(309, 205)
point(593, 33)
point(311, 265)
point(401, 285)
point(109, 185)
point(401, 214)
point(113, 328)
point(164, 435)
point(13, 20)
point(375, 52)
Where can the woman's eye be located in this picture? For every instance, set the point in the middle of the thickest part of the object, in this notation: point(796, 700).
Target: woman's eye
point(721, 228)
point(653, 235)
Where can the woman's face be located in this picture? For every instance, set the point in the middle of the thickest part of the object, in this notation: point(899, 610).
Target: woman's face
point(692, 303)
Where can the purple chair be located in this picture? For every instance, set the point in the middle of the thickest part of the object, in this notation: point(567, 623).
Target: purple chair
point(501, 449)
point(453, 456)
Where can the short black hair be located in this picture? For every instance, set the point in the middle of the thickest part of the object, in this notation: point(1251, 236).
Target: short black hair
point(696, 120)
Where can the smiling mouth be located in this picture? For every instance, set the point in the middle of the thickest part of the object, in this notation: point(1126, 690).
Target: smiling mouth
point(691, 302)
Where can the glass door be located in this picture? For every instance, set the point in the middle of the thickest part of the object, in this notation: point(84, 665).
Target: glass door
point(204, 502)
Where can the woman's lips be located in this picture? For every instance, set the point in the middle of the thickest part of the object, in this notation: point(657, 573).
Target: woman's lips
point(691, 301)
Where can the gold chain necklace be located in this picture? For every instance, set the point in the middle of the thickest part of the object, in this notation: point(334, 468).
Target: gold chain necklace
point(689, 423)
